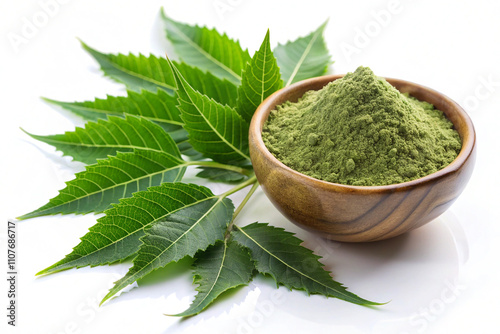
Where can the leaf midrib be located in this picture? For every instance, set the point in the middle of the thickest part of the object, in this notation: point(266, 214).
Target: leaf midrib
point(139, 75)
point(206, 120)
point(263, 86)
point(286, 264)
point(106, 112)
point(185, 164)
point(302, 58)
point(48, 140)
point(206, 54)
point(139, 229)
point(218, 275)
point(132, 277)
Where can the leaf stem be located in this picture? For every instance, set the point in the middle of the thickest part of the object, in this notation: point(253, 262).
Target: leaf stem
point(255, 185)
point(245, 200)
point(252, 180)
point(213, 164)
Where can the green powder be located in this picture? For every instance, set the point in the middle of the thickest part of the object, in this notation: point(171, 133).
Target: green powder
point(359, 130)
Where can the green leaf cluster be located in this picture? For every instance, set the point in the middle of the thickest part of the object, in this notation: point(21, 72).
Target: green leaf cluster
point(177, 114)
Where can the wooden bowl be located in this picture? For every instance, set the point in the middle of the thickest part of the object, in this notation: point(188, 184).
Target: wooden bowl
point(361, 213)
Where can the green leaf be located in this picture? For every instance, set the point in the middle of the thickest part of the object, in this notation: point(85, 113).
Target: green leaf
point(153, 73)
point(215, 130)
point(221, 90)
point(303, 58)
point(279, 254)
point(220, 175)
point(158, 107)
point(208, 49)
point(116, 236)
point(180, 234)
point(107, 137)
point(137, 72)
point(260, 79)
point(102, 184)
point(221, 267)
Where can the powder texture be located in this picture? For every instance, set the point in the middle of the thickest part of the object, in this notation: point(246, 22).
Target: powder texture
point(360, 130)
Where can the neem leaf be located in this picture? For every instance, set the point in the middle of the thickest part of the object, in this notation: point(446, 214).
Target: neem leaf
point(107, 137)
point(215, 130)
point(260, 79)
point(158, 107)
point(116, 235)
point(180, 234)
point(278, 253)
point(105, 183)
point(153, 73)
point(164, 223)
point(221, 90)
point(221, 267)
point(209, 50)
point(303, 58)
point(137, 72)
point(220, 175)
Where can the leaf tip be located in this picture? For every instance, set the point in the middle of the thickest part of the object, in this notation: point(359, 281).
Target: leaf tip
point(42, 272)
point(84, 45)
point(47, 271)
point(93, 52)
point(32, 136)
point(46, 99)
point(51, 101)
point(163, 14)
point(175, 315)
point(29, 214)
point(108, 296)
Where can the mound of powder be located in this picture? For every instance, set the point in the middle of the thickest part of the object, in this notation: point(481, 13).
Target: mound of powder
point(360, 130)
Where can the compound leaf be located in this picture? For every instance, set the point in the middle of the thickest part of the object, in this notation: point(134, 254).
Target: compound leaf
point(278, 253)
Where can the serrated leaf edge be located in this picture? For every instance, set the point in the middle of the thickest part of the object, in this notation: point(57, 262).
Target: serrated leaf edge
point(315, 36)
point(45, 272)
point(294, 269)
point(122, 69)
point(33, 214)
point(206, 54)
point(113, 291)
point(185, 84)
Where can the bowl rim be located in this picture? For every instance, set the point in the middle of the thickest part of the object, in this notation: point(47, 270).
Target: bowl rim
point(263, 110)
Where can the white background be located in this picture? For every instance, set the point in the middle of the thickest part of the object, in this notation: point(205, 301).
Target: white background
point(440, 278)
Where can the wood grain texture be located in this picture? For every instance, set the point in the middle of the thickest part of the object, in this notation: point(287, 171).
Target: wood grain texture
point(361, 213)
